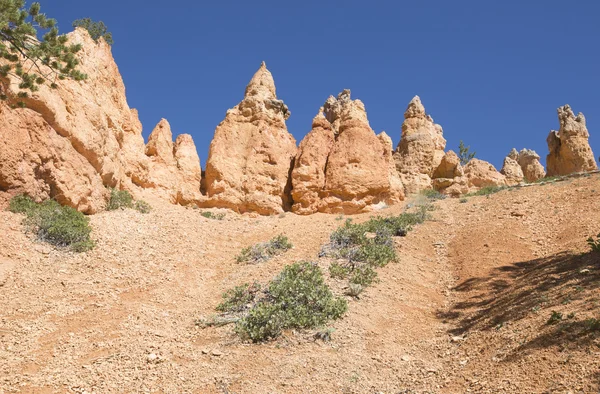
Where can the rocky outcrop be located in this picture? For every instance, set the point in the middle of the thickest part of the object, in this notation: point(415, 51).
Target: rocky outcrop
point(570, 151)
point(342, 166)
point(252, 153)
point(449, 176)
point(481, 174)
point(512, 169)
point(308, 176)
point(529, 161)
point(174, 168)
point(72, 142)
point(421, 148)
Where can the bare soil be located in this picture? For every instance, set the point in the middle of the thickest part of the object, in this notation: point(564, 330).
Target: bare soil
point(466, 308)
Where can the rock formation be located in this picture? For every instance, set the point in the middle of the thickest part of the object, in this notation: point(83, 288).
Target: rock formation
point(481, 174)
point(342, 166)
point(512, 169)
point(569, 148)
point(252, 153)
point(72, 142)
point(449, 176)
point(531, 166)
point(174, 168)
point(421, 148)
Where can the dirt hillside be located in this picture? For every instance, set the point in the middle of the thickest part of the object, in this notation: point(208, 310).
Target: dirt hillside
point(465, 309)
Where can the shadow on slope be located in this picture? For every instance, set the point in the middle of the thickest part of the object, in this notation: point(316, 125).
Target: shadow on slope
point(565, 283)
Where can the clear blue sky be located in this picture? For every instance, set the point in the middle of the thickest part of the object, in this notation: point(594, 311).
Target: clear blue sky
point(492, 73)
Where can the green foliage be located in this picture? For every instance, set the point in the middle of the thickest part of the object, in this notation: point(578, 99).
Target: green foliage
point(142, 206)
point(238, 298)
point(96, 29)
point(119, 199)
point(432, 194)
point(214, 216)
point(338, 271)
point(22, 204)
point(549, 179)
point(464, 153)
point(33, 61)
point(593, 324)
point(486, 191)
point(265, 250)
point(363, 275)
point(297, 298)
point(58, 225)
point(555, 317)
point(368, 245)
point(594, 243)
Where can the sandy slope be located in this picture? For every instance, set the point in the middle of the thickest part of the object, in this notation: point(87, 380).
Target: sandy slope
point(464, 309)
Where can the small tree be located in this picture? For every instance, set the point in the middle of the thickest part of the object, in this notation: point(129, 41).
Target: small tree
point(96, 29)
point(33, 61)
point(464, 154)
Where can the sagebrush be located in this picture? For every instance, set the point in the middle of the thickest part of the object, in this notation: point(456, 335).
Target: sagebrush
point(264, 250)
point(122, 199)
point(58, 225)
point(297, 298)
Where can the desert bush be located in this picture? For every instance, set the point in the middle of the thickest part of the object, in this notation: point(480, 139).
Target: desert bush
point(58, 225)
point(119, 199)
point(432, 194)
point(214, 216)
point(594, 243)
point(486, 191)
point(142, 206)
point(555, 317)
point(297, 298)
point(363, 275)
point(265, 250)
point(238, 298)
point(338, 271)
point(365, 246)
point(22, 204)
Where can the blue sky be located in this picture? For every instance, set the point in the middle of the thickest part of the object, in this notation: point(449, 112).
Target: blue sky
point(492, 73)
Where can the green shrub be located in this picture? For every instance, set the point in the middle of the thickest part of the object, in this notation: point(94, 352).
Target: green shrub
point(58, 225)
point(297, 298)
point(364, 276)
point(215, 216)
point(238, 298)
point(22, 204)
point(555, 317)
point(119, 199)
point(142, 206)
point(368, 245)
point(594, 243)
point(336, 270)
point(486, 191)
point(265, 250)
point(593, 324)
point(432, 194)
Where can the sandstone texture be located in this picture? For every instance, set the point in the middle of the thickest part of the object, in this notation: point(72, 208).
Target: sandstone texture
point(342, 165)
point(421, 148)
point(252, 153)
point(570, 151)
point(481, 174)
point(512, 169)
point(449, 176)
point(72, 142)
point(529, 161)
point(174, 167)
